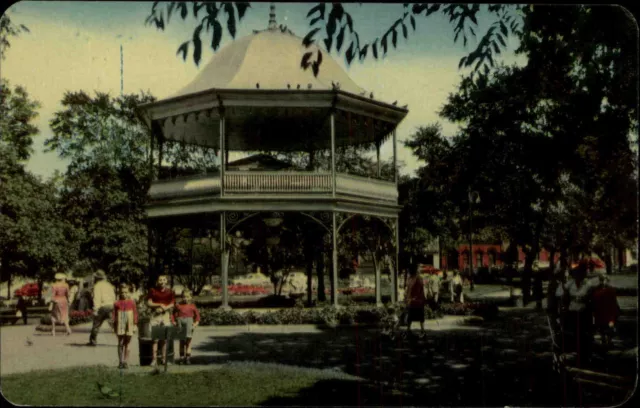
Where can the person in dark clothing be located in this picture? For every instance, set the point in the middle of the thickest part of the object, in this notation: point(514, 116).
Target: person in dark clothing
point(22, 308)
point(415, 299)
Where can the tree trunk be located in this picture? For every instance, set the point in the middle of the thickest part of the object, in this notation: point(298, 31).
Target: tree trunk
point(608, 260)
point(563, 259)
point(620, 258)
point(309, 270)
point(3, 272)
point(526, 276)
point(552, 260)
point(40, 285)
point(322, 297)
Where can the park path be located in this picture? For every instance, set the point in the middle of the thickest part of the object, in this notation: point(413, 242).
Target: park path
point(48, 352)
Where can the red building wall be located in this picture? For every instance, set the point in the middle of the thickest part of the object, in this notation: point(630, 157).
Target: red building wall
point(485, 251)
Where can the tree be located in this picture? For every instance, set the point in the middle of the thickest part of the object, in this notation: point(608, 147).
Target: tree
point(513, 117)
point(193, 254)
point(34, 240)
point(106, 183)
point(340, 28)
point(8, 29)
point(276, 250)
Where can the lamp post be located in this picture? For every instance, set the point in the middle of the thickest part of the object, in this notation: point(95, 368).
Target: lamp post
point(474, 197)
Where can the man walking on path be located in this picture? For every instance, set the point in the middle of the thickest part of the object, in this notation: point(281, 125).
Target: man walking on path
point(104, 296)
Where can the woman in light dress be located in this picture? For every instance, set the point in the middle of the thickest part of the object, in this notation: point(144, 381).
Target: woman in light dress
point(125, 318)
point(60, 303)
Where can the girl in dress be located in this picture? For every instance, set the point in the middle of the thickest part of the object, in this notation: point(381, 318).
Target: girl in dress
point(125, 317)
point(60, 303)
point(188, 317)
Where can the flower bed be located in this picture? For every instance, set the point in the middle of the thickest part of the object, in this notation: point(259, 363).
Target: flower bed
point(254, 290)
point(75, 317)
point(243, 290)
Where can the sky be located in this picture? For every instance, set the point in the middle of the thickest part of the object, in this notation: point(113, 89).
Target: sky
point(75, 46)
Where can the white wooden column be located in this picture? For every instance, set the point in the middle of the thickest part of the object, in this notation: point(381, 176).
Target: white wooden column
point(222, 155)
point(333, 155)
point(378, 157)
point(396, 268)
point(334, 263)
point(378, 288)
point(154, 177)
point(395, 159)
point(224, 262)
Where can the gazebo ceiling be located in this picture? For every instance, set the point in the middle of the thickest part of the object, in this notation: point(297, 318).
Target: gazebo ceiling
point(274, 128)
point(270, 102)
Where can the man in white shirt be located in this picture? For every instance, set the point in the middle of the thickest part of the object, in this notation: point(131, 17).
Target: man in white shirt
point(104, 296)
point(456, 288)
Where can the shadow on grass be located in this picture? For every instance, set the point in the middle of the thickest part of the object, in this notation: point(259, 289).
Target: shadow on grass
point(341, 392)
point(506, 363)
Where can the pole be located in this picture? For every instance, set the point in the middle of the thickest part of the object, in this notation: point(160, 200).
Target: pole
point(121, 71)
point(334, 256)
point(333, 158)
point(470, 242)
point(394, 275)
point(395, 159)
point(222, 155)
point(378, 157)
point(224, 264)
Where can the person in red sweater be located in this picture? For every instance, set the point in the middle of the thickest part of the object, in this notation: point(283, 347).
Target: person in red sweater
point(415, 300)
point(187, 316)
point(161, 301)
point(125, 318)
point(605, 309)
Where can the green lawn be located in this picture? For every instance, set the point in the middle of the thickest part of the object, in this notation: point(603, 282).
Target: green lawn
point(227, 385)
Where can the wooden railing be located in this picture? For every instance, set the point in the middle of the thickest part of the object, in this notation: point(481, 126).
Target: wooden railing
point(276, 182)
point(184, 186)
point(366, 187)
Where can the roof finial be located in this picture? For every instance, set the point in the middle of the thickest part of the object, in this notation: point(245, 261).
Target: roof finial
point(272, 17)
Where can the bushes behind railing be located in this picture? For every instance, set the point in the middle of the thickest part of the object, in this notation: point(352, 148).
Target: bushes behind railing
point(323, 315)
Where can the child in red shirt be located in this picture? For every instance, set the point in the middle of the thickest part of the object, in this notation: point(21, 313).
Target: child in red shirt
point(187, 316)
point(125, 317)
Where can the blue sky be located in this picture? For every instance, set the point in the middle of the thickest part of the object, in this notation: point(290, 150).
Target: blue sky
point(76, 46)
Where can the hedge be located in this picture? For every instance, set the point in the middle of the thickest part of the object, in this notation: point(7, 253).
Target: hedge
point(324, 315)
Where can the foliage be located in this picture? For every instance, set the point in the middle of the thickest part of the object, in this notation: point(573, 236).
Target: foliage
point(340, 28)
point(34, 240)
point(105, 187)
point(208, 22)
point(17, 113)
point(8, 29)
point(194, 255)
point(276, 260)
point(327, 315)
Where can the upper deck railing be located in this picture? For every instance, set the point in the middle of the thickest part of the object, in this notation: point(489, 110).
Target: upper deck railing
point(274, 182)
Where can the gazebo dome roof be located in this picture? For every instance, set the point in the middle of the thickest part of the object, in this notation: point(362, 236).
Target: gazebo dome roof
point(269, 59)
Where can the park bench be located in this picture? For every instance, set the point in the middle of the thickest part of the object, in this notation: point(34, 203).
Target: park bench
point(8, 315)
point(592, 378)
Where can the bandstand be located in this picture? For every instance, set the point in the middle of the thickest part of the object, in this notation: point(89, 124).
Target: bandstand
point(254, 96)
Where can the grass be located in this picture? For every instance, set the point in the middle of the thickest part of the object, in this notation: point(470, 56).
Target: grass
point(230, 384)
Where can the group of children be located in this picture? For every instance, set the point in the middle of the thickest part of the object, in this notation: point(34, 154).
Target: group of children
point(125, 316)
